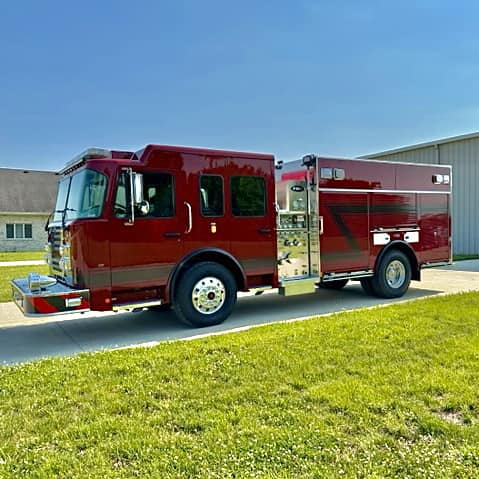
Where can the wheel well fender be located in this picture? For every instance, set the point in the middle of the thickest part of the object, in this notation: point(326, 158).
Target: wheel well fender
point(408, 251)
point(214, 255)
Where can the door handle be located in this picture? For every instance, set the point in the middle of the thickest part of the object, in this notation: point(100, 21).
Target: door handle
point(264, 230)
point(190, 218)
point(171, 234)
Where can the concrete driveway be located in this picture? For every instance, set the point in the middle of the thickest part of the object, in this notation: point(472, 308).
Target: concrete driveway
point(25, 339)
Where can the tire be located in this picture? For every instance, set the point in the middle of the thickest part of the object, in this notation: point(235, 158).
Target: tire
point(367, 286)
point(205, 295)
point(161, 308)
point(393, 275)
point(337, 284)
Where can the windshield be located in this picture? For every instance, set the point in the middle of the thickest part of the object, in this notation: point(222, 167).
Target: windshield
point(61, 198)
point(81, 196)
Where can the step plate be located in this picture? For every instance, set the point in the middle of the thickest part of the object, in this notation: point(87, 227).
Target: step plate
point(298, 286)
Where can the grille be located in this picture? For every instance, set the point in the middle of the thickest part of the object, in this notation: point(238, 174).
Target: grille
point(56, 239)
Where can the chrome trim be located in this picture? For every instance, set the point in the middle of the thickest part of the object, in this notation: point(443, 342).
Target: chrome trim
point(47, 295)
point(19, 298)
point(73, 302)
point(140, 304)
point(393, 230)
point(132, 219)
point(83, 156)
point(434, 265)
point(355, 274)
point(368, 158)
point(395, 274)
point(421, 192)
point(208, 295)
point(190, 218)
point(303, 285)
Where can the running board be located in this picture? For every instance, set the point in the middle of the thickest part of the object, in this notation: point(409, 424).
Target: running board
point(137, 305)
point(355, 274)
point(298, 286)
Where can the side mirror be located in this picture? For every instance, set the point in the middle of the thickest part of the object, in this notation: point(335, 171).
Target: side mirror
point(143, 208)
point(137, 193)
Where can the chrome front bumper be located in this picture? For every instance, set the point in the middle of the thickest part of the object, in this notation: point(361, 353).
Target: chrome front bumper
point(51, 300)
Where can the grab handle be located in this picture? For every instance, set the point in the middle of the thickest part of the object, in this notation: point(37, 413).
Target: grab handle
point(190, 218)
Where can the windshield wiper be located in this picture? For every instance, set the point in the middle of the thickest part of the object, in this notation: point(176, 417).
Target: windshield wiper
point(57, 211)
point(64, 212)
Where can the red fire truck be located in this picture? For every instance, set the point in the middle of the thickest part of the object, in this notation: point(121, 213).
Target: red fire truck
point(188, 228)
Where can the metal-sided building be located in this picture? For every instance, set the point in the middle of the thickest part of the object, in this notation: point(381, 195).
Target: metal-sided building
point(462, 152)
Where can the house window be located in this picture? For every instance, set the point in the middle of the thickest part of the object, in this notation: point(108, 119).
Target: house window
point(19, 231)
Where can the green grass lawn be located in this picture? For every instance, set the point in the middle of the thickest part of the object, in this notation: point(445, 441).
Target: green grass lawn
point(21, 255)
point(391, 392)
point(462, 257)
point(8, 273)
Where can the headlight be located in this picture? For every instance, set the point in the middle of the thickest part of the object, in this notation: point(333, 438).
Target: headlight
point(65, 265)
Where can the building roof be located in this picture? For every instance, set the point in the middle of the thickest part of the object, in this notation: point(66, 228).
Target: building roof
point(417, 146)
point(27, 191)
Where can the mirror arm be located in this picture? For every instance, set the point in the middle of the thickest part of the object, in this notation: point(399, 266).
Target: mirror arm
point(132, 199)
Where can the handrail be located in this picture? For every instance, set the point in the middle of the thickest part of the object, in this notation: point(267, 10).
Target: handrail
point(190, 218)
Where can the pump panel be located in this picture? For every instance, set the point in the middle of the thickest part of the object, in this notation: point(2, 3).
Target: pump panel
point(298, 231)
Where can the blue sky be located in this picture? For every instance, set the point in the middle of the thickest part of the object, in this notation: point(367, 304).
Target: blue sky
point(337, 77)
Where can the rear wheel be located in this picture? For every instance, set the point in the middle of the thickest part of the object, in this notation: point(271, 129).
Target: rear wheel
point(393, 275)
point(205, 294)
point(338, 284)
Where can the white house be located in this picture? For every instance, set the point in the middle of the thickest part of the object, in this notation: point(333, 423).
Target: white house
point(26, 200)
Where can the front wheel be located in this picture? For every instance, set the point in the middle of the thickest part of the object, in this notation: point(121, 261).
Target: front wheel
point(393, 275)
point(205, 294)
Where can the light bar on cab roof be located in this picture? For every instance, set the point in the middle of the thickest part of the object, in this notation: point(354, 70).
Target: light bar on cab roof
point(88, 154)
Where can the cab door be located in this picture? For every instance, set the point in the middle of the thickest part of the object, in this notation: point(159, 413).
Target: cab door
point(204, 202)
point(144, 251)
point(251, 206)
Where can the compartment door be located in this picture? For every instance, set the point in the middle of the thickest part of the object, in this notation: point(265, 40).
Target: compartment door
point(345, 239)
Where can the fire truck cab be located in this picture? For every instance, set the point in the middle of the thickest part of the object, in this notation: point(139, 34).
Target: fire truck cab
point(190, 227)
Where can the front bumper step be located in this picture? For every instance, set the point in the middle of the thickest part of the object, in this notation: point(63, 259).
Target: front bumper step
point(49, 301)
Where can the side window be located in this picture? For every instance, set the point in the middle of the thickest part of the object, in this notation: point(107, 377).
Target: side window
point(122, 199)
point(211, 195)
point(248, 196)
point(158, 190)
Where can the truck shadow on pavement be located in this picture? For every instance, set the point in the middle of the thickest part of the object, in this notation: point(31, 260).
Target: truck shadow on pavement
point(86, 334)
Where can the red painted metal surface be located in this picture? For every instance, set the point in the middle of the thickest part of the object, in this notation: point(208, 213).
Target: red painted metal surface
point(119, 262)
point(374, 197)
point(344, 245)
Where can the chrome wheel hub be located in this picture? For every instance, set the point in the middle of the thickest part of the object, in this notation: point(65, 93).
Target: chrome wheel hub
point(208, 295)
point(395, 274)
